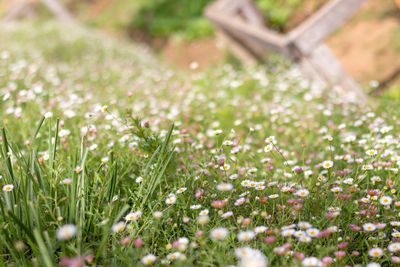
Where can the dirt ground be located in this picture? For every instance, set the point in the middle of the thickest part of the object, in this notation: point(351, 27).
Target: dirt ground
point(369, 44)
point(205, 53)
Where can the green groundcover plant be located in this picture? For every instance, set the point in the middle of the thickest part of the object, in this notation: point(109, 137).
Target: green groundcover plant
point(184, 18)
point(109, 158)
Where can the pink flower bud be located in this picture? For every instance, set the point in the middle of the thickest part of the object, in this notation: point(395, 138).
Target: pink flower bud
point(245, 222)
point(339, 254)
point(138, 242)
point(355, 253)
point(298, 255)
point(291, 201)
point(89, 258)
point(175, 244)
point(287, 245)
point(395, 259)
point(124, 241)
point(327, 260)
point(199, 194)
point(354, 227)
point(199, 234)
point(269, 240)
point(72, 262)
point(298, 207)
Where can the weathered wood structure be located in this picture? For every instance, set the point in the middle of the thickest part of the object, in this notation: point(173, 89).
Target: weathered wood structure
point(21, 8)
point(240, 23)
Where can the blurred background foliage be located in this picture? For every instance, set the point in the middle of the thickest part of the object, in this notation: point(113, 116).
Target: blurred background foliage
point(179, 17)
point(184, 19)
point(176, 29)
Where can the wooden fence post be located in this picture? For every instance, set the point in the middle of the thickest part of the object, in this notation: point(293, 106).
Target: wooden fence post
point(18, 8)
point(242, 25)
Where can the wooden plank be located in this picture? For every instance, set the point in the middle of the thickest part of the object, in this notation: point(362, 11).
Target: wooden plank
point(237, 49)
point(249, 13)
point(310, 72)
point(265, 38)
point(304, 46)
point(314, 30)
point(252, 14)
point(226, 7)
point(58, 10)
point(246, 50)
point(20, 8)
point(232, 7)
point(326, 64)
point(254, 47)
point(16, 10)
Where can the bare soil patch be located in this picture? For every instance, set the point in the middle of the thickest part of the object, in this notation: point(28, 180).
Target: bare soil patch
point(366, 44)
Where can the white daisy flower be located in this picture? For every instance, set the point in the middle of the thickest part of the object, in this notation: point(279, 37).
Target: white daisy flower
point(394, 247)
point(246, 236)
point(375, 252)
point(174, 256)
point(171, 199)
point(148, 259)
point(133, 216)
point(302, 192)
point(385, 200)
point(369, 227)
point(118, 227)
point(181, 190)
point(66, 232)
point(225, 167)
point(8, 187)
point(327, 164)
point(204, 212)
point(312, 232)
point(224, 187)
point(311, 262)
point(371, 152)
point(219, 233)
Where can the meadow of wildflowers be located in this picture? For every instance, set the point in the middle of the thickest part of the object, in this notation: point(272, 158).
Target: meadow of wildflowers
point(109, 158)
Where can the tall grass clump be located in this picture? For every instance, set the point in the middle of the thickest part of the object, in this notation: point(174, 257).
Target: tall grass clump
point(41, 209)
